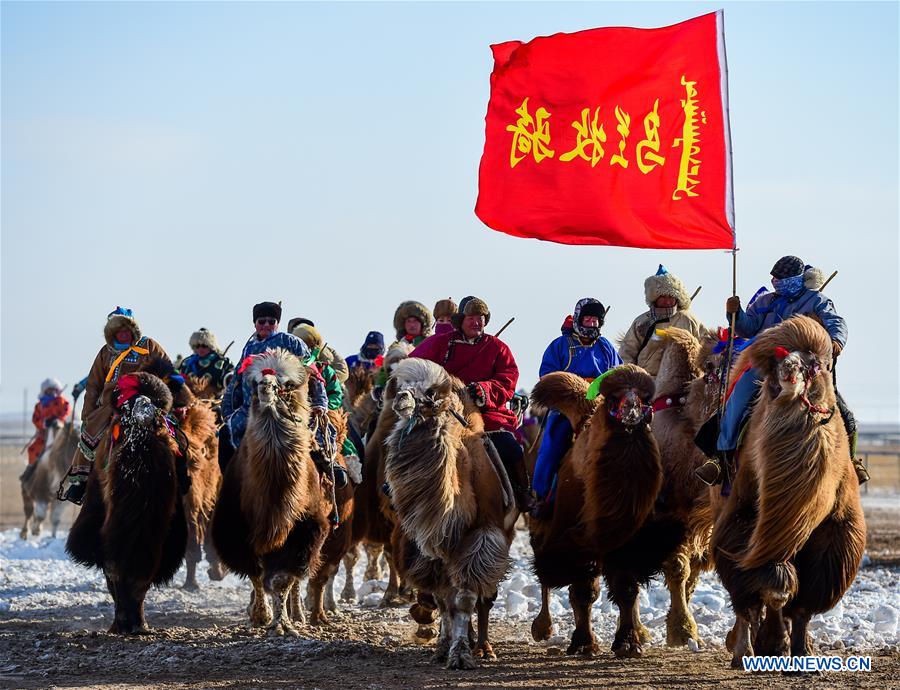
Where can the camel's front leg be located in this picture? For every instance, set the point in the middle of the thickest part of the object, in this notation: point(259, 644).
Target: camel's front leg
point(295, 610)
point(316, 595)
point(259, 610)
point(582, 596)
point(374, 570)
point(772, 638)
point(348, 593)
point(279, 586)
point(623, 589)
point(483, 648)
point(192, 556)
point(461, 605)
point(392, 593)
point(742, 646)
point(680, 624)
point(445, 635)
point(40, 512)
point(542, 626)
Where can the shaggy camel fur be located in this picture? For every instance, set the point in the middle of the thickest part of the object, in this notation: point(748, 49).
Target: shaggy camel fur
point(39, 490)
point(454, 505)
point(132, 522)
point(374, 518)
point(791, 535)
point(198, 422)
point(685, 398)
point(271, 517)
point(603, 520)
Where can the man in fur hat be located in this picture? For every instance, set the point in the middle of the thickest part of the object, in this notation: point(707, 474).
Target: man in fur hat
point(207, 362)
point(412, 322)
point(444, 309)
point(239, 393)
point(487, 367)
point(329, 354)
point(669, 305)
point(585, 353)
point(371, 350)
point(796, 292)
point(127, 351)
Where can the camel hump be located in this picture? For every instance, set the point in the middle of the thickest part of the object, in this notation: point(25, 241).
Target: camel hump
point(564, 392)
point(796, 334)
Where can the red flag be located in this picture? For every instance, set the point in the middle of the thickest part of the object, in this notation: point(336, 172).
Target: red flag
point(614, 136)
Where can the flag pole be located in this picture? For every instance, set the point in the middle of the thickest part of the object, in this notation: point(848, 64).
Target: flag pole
point(730, 349)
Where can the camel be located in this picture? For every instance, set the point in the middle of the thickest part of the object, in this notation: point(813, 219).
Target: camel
point(454, 504)
point(603, 521)
point(132, 522)
point(790, 538)
point(39, 490)
point(374, 518)
point(271, 518)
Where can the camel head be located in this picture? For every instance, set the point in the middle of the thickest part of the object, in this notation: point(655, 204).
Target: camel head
point(423, 389)
point(278, 383)
point(627, 393)
point(143, 403)
point(795, 361)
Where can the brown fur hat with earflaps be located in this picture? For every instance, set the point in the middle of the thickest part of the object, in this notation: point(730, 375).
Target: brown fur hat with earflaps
point(665, 283)
point(204, 337)
point(414, 309)
point(309, 335)
point(444, 307)
point(469, 307)
point(118, 319)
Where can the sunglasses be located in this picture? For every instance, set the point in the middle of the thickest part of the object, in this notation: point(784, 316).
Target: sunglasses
point(266, 322)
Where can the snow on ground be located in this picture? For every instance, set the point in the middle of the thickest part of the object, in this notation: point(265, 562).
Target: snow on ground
point(38, 581)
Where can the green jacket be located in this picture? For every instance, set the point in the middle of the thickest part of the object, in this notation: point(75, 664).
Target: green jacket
point(333, 388)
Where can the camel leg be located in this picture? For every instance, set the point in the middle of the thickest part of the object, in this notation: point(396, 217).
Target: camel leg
point(442, 647)
point(623, 590)
point(374, 570)
point(461, 605)
point(330, 603)
point(423, 613)
point(28, 505)
point(259, 610)
point(348, 593)
point(680, 624)
point(772, 638)
point(217, 570)
point(129, 601)
point(295, 610)
point(483, 648)
point(542, 626)
point(280, 586)
point(316, 594)
point(56, 511)
point(741, 641)
point(40, 513)
point(582, 596)
point(801, 643)
point(392, 593)
point(192, 556)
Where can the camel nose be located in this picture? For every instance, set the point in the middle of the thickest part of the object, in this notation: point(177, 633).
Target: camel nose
point(404, 403)
point(142, 410)
point(630, 409)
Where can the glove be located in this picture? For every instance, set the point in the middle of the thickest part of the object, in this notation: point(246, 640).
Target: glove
point(733, 305)
point(77, 389)
point(836, 348)
point(474, 391)
point(319, 412)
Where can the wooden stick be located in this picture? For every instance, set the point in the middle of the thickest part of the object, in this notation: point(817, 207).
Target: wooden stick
point(497, 334)
point(828, 281)
point(696, 292)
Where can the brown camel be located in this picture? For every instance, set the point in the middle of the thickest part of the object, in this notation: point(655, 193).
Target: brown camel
point(454, 504)
point(132, 522)
point(790, 538)
point(603, 519)
point(271, 518)
point(39, 490)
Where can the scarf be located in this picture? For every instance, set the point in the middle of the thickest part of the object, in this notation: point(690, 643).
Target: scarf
point(657, 313)
point(788, 287)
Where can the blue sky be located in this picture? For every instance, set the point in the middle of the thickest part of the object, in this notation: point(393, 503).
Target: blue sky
point(188, 160)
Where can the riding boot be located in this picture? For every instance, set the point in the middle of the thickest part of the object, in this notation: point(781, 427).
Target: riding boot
point(78, 476)
point(326, 468)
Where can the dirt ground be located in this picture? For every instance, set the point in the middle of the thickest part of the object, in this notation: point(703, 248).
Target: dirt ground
point(368, 649)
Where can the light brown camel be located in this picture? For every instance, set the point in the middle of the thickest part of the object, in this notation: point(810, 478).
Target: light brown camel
point(791, 535)
point(607, 486)
point(39, 489)
point(454, 504)
point(271, 518)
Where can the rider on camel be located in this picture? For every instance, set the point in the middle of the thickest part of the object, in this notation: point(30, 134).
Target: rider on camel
point(50, 412)
point(207, 363)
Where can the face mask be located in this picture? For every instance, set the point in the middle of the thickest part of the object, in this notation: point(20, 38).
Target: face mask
point(663, 312)
point(788, 287)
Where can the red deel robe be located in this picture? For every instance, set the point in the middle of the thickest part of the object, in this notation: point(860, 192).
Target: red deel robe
point(487, 362)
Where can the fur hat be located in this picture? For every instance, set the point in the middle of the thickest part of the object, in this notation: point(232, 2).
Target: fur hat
point(296, 321)
point(267, 309)
point(309, 335)
point(116, 320)
point(469, 307)
point(665, 283)
point(444, 307)
point(813, 278)
point(414, 309)
point(787, 267)
point(50, 383)
point(204, 337)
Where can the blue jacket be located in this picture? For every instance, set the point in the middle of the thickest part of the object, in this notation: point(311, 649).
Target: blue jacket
point(771, 309)
point(236, 402)
point(566, 353)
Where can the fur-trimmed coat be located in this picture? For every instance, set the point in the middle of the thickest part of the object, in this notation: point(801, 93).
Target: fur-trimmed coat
point(98, 405)
point(651, 356)
point(487, 362)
